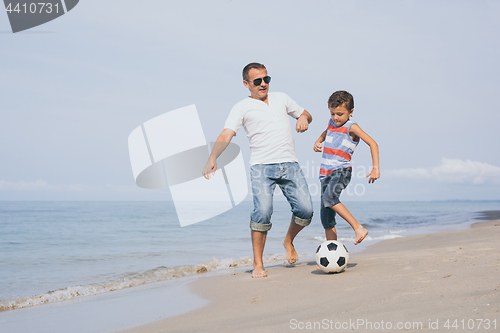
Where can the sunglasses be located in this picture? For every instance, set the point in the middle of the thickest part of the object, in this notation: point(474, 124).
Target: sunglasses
point(257, 82)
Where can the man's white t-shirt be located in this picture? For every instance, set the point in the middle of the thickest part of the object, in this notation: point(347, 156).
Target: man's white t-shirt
point(267, 126)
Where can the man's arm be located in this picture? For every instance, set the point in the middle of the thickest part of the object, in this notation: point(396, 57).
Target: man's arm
point(220, 145)
point(303, 122)
point(375, 173)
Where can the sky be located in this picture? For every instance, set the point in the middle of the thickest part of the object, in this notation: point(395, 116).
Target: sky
point(424, 75)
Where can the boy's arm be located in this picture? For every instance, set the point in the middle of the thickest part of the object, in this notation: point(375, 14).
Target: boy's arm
point(303, 122)
point(375, 173)
point(220, 145)
point(317, 145)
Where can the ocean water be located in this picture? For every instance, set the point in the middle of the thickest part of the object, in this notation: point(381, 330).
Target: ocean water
point(55, 251)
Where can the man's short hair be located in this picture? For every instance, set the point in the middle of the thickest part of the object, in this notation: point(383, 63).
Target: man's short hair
point(340, 98)
point(248, 67)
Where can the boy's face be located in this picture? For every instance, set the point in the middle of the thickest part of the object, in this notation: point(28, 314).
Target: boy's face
point(340, 115)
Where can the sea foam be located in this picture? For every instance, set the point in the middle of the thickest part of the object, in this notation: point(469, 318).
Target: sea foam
point(131, 280)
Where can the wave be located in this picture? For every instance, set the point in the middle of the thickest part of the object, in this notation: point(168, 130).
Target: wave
point(131, 280)
point(352, 239)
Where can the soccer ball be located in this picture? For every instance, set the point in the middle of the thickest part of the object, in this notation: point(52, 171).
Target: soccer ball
point(332, 256)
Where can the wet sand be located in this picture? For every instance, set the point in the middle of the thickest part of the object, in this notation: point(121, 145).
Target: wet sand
point(417, 283)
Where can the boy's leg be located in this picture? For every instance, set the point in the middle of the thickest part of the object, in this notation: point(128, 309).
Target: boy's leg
point(331, 234)
point(360, 231)
point(327, 215)
point(258, 242)
point(330, 199)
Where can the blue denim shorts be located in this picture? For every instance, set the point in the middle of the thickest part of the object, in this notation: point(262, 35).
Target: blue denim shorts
point(290, 179)
point(331, 187)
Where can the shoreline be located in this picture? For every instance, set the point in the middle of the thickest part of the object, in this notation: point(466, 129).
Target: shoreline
point(156, 307)
point(426, 279)
point(162, 268)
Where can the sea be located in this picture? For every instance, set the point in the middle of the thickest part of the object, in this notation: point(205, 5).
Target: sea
point(62, 250)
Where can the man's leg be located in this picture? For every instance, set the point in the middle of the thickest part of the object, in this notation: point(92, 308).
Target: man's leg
point(260, 219)
point(293, 230)
point(258, 242)
point(294, 187)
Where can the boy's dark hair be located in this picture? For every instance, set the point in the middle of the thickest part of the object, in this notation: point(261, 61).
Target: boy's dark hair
point(248, 67)
point(340, 98)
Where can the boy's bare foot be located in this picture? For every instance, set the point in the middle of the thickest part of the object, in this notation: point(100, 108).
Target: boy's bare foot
point(360, 235)
point(291, 254)
point(259, 272)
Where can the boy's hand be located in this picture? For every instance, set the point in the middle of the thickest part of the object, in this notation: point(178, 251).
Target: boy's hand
point(374, 175)
point(318, 146)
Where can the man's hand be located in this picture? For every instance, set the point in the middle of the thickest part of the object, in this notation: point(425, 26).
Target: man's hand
point(302, 123)
point(220, 145)
point(210, 167)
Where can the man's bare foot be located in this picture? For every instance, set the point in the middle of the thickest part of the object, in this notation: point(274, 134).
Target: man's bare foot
point(291, 254)
point(259, 272)
point(360, 235)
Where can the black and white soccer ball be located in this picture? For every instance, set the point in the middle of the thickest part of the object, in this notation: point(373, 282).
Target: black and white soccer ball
point(332, 256)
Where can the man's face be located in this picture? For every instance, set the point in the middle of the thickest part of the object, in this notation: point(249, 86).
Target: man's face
point(260, 91)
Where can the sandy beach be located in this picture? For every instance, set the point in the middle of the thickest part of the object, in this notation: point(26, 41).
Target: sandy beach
point(438, 282)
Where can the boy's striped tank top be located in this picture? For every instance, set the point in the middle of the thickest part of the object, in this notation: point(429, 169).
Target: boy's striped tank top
point(338, 148)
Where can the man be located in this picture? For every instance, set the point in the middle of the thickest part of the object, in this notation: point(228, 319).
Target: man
point(272, 159)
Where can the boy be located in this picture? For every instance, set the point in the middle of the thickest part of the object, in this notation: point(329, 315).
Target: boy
point(341, 138)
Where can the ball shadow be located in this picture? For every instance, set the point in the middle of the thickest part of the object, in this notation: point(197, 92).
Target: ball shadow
point(320, 272)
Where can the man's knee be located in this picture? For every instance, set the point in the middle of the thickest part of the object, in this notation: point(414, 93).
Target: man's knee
point(300, 221)
point(260, 226)
point(302, 214)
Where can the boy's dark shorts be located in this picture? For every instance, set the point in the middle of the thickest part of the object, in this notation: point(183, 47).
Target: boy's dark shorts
point(331, 187)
